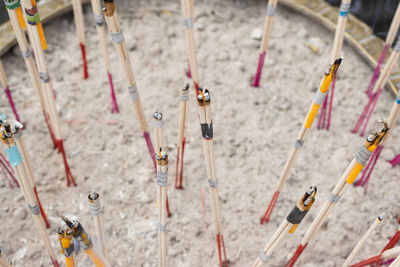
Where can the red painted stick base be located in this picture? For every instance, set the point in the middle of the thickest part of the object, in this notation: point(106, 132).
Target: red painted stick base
point(50, 127)
point(395, 161)
point(373, 260)
point(85, 64)
point(114, 105)
point(46, 222)
point(260, 65)
point(55, 262)
point(150, 147)
point(70, 178)
point(221, 251)
point(270, 208)
point(296, 255)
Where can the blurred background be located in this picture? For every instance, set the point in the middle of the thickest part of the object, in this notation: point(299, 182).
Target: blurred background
point(378, 14)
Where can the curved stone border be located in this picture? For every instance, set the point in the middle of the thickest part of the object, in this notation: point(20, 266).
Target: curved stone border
point(358, 34)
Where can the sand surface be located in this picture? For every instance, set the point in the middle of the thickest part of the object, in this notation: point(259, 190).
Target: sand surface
point(254, 130)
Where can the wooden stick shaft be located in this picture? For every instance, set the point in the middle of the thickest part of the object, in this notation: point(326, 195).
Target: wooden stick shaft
point(162, 216)
point(4, 262)
point(187, 6)
point(360, 243)
point(96, 6)
point(384, 76)
point(324, 211)
point(114, 27)
point(268, 25)
point(394, 27)
point(396, 262)
point(339, 33)
point(394, 113)
point(3, 78)
point(391, 253)
point(79, 21)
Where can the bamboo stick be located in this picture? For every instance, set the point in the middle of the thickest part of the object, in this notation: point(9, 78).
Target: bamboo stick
point(351, 173)
point(159, 142)
point(9, 134)
point(324, 120)
point(3, 81)
point(162, 182)
point(394, 113)
point(394, 27)
point(97, 212)
point(360, 243)
point(182, 129)
point(4, 262)
point(39, 43)
point(99, 19)
point(7, 170)
point(18, 24)
point(204, 102)
point(376, 92)
point(288, 226)
point(113, 23)
point(313, 110)
point(271, 8)
point(80, 32)
point(187, 11)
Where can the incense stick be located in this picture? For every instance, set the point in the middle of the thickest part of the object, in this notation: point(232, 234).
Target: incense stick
point(379, 259)
point(162, 182)
point(99, 19)
point(36, 34)
point(313, 110)
point(182, 127)
point(97, 212)
point(351, 173)
point(67, 246)
point(360, 243)
point(18, 24)
point(160, 143)
point(187, 10)
point(80, 32)
point(271, 8)
point(288, 226)
point(9, 133)
point(394, 27)
point(394, 113)
point(204, 102)
point(376, 92)
point(326, 109)
point(3, 80)
point(7, 169)
point(117, 36)
point(4, 262)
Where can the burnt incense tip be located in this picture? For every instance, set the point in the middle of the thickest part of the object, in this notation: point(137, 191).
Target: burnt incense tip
point(185, 86)
point(338, 61)
point(380, 217)
point(93, 196)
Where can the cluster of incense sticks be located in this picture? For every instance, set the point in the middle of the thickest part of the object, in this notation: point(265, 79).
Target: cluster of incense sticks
point(39, 44)
point(386, 255)
point(3, 81)
point(182, 127)
point(75, 235)
point(351, 173)
point(377, 90)
point(394, 27)
point(159, 143)
point(316, 103)
point(162, 182)
point(324, 120)
point(18, 24)
point(204, 102)
point(271, 8)
point(187, 10)
point(97, 212)
point(99, 19)
point(11, 139)
point(288, 226)
point(117, 37)
point(360, 243)
point(394, 113)
point(80, 32)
